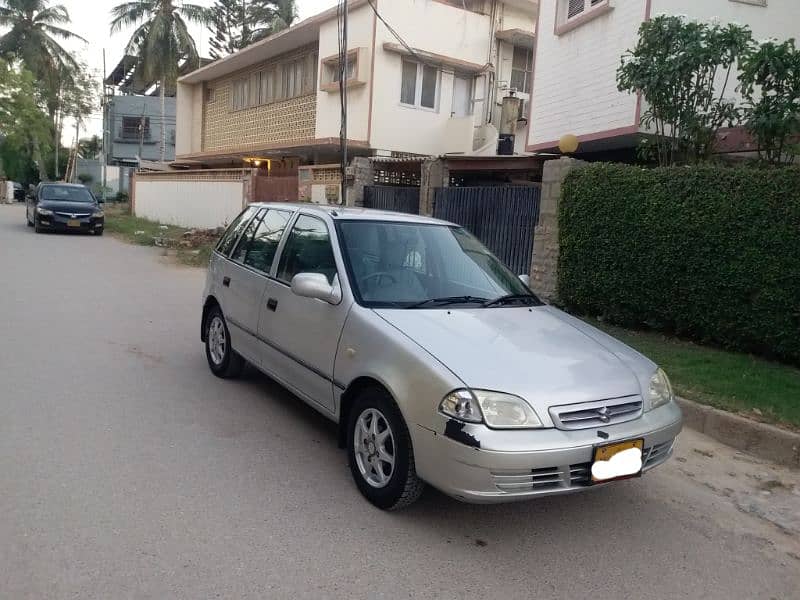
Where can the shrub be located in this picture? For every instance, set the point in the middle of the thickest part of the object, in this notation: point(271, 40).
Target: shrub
point(707, 253)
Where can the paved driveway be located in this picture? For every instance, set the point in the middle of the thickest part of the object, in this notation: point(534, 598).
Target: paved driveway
point(128, 471)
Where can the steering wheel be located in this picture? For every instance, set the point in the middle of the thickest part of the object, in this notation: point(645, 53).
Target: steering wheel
point(378, 277)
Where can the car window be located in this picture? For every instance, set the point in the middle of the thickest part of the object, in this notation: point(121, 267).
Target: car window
point(232, 234)
point(263, 246)
point(244, 242)
point(66, 194)
point(308, 250)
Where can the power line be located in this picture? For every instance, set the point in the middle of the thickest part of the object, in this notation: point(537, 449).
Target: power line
point(398, 37)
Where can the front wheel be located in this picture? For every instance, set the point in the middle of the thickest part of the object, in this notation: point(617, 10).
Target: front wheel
point(222, 358)
point(380, 453)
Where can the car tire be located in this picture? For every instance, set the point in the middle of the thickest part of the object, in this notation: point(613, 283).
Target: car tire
point(36, 226)
point(30, 223)
point(98, 232)
point(223, 360)
point(397, 485)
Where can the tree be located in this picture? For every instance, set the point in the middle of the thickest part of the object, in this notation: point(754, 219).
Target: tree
point(24, 127)
point(770, 84)
point(91, 148)
point(238, 23)
point(683, 69)
point(161, 41)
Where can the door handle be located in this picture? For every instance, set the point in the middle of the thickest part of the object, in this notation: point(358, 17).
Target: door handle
point(226, 281)
point(272, 304)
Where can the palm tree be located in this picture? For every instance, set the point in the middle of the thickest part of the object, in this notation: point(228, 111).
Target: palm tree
point(161, 41)
point(276, 15)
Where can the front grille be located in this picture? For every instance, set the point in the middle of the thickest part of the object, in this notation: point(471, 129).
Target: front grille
point(542, 480)
point(596, 414)
point(73, 215)
point(657, 454)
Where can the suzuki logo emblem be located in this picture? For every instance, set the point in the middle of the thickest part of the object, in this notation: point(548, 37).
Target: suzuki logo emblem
point(74, 216)
point(603, 414)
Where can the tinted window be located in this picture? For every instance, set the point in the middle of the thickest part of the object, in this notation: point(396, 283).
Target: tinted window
point(308, 250)
point(65, 194)
point(264, 245)
point(232, 234)
point(244, 242)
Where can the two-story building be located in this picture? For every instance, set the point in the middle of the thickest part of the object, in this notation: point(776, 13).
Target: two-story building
point(579, 45)
point(424, 77)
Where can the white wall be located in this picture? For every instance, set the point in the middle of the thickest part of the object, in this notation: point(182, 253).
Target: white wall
point(574, 80)
point(359, 27)
point(433, 27)
point(200, 204)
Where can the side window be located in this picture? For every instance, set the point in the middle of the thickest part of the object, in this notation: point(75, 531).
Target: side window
point(240, 252)
point(308, 250)
point(232, 234)
point(265, 242)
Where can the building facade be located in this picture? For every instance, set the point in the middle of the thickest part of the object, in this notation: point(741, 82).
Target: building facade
point(134, 125)
point(579, 45)
point(432, 82)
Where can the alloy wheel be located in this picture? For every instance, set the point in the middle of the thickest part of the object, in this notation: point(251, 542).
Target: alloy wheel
point(217, 342)
point(374, 447)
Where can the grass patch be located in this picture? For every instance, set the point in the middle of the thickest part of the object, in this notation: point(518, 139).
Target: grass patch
point(731, 381)
point(192, 249)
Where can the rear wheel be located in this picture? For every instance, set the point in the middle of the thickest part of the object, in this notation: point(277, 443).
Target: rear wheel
point(222, 358)
point(380, 453)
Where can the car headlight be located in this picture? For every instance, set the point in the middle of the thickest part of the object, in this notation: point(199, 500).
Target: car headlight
point(44, 212)
point(98, 214)
point(497, 410)
point(660, 390)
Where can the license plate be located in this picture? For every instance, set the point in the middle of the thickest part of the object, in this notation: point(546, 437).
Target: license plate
point(617, 461)
point(73, 223)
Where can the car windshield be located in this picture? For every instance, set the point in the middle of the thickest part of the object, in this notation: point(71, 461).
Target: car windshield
point(417, 265)
point(66, 194)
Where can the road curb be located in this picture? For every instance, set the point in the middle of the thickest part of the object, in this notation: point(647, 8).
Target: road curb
point(759, 439)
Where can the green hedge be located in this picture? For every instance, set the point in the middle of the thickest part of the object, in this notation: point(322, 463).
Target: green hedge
point(707, 253)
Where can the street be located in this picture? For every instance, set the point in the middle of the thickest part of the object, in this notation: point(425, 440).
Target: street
point(127, 470)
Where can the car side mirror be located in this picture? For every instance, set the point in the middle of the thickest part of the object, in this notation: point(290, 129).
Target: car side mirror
point(526, 279)
point(315, 285)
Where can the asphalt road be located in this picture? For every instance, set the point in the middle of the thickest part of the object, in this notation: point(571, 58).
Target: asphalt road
point(128, 471)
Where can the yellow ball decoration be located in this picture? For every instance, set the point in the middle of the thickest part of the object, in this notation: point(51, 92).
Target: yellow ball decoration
point(568, 144)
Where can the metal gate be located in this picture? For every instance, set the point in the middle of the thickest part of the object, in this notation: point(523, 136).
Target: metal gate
point(388, 197)
point(504, 218)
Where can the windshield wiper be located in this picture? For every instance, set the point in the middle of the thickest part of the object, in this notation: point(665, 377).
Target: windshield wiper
point(449, 300)
point(527, 298)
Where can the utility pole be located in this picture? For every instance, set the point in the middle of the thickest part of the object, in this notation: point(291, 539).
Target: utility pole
point(343, 83)
point(105, 128)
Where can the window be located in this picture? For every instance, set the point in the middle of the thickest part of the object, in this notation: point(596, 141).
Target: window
point(471, 5)
point(232, 234)
point(420, 85)
point(135, 128)
point(462, 95)
point(521, 68)
point(574, 13)
point(240, 253)
point(264, 245)
point(308, 250)
point(241, 93)
point(578, 7)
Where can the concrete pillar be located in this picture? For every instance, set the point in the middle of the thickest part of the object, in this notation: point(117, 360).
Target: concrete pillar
point(363, 175)
point(544, 267)
point(435, 174)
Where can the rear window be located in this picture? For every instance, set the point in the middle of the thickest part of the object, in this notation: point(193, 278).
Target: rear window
point(66, 194)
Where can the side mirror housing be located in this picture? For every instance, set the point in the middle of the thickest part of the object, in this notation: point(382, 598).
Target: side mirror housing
point(315, 285)
point(526, 279)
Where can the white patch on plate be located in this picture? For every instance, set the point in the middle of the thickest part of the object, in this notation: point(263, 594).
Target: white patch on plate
point(627, 462)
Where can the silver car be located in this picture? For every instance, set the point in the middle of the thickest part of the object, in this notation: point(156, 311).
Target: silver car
point(437, 362)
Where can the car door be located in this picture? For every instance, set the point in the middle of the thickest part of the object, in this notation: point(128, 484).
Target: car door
point(241, 292)
point(301, 335)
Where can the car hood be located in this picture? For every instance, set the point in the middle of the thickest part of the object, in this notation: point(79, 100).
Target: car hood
point(540, 354)
point(68, 207)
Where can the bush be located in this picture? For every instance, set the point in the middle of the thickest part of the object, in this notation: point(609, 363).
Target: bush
point(122, 197)
point(707, 253)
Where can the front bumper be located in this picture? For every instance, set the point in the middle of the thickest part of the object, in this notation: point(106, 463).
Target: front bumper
point(59, 223)
point(556, 461)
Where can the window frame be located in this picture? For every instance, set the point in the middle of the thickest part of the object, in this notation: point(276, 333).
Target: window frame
point(472, 84)
point(247, 89)
point(146, 134)
point(287, 234)
point(255, 222)
point(289, 220)
point(235, 243)
point(592, 9)
point(418, 86)
point(528, 80)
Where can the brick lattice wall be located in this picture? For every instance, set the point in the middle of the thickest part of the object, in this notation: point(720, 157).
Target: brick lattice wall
point(282, 122)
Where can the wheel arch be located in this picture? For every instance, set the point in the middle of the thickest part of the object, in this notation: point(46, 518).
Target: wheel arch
point(348, 397)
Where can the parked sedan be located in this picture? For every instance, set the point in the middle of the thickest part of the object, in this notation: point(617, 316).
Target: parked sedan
point(64, 207)
point(437, 362)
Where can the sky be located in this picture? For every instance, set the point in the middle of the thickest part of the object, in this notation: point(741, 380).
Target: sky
point(90, 20)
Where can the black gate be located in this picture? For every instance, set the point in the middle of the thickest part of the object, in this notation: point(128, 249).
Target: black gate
point(388, 197)
point(504, 218)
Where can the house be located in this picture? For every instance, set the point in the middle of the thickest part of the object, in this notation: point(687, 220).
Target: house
point(424, 77)
point(579, 45)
